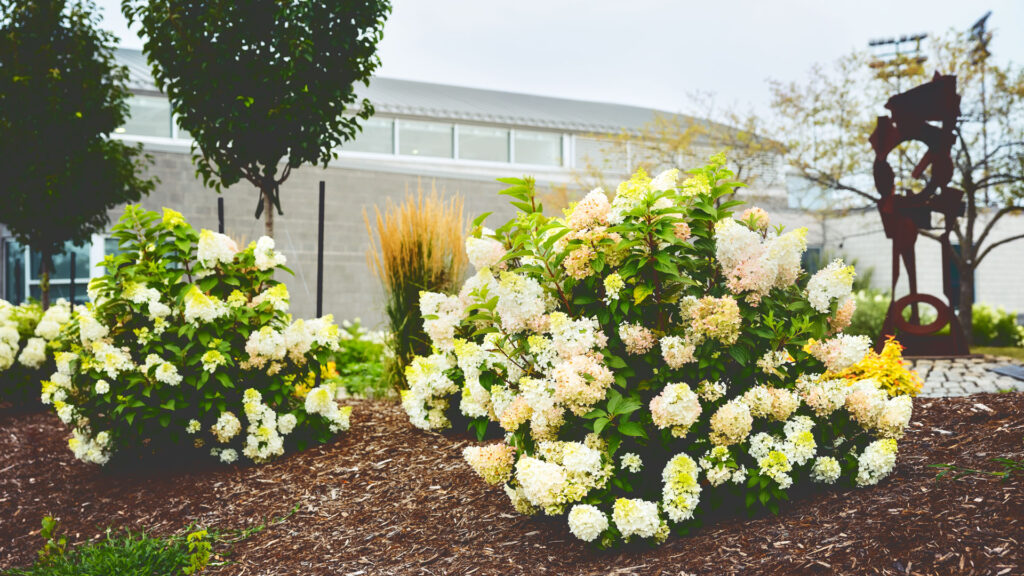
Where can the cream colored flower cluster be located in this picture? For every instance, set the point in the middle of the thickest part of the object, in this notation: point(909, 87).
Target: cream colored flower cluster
point(26, 332)
point(646, 334)
point(197, 340)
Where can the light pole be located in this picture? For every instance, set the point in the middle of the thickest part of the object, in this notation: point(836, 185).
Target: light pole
point(979, 57)
point(896, 57)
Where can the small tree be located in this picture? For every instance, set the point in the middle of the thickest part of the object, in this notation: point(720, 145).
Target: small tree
point(827, 121)
point(675, 140)
point(261, 83)
point(61, 96)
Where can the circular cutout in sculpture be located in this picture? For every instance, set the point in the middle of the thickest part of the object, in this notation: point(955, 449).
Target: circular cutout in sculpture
point(942, 314)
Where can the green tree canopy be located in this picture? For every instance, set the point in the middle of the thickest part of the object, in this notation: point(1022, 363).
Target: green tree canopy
point(263, 82)
point(61, 96)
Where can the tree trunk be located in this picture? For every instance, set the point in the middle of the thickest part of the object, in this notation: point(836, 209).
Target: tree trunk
point(268, 212)
point(44, 279)
point(964, 309)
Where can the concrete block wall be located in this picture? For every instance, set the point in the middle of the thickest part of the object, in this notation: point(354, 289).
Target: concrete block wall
point(350, 289)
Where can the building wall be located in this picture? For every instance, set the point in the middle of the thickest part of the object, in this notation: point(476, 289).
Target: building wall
point(350, 289)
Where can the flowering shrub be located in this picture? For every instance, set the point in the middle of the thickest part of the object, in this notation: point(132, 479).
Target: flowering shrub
point(648, 355)
point(27, 340)
point(356, 368)
point(188, 343)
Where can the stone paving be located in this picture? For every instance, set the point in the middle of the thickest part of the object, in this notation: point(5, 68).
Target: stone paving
point(964, 376)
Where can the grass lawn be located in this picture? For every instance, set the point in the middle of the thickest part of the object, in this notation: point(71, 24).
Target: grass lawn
point(1014, 352)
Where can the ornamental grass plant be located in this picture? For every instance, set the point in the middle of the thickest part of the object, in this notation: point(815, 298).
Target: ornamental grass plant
point(415, 246)
point(188, 348)
point(649, 357)
point(27, 343)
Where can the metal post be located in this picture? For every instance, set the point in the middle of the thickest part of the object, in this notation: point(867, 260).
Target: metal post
point(320, 261)
point(72, 284)
point(220, 214)
point(320, 254)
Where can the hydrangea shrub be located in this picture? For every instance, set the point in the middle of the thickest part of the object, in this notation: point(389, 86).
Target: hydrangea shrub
point(649, 356)
point(188, 344)
point(28, 336)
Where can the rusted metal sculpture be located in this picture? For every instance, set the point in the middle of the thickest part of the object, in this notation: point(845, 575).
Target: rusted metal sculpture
point(927, 114)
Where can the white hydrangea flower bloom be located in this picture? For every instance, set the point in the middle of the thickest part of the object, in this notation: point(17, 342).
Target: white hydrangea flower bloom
point(33, 355)
point(484, 252)
point(587, 522)
point(832, 283)
point(636, 517)
point(215, 248)
point(542, 482)
point(877, 461)
point(631, 462)
point(826, 470)
point(681, 490)
point(266, 256)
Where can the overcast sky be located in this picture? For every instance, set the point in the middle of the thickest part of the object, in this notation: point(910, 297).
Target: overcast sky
point(648, 52)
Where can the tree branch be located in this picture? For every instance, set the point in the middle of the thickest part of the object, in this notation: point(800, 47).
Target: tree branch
point(991, 223)
point(994, 244)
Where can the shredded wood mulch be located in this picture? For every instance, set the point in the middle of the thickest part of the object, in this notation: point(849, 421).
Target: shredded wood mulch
point(387, 499)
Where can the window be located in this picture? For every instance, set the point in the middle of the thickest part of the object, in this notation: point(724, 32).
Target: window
point(810, 261)
point(601, 154)
point(181, 132)
point(425, 138)
point(21, 271)
point(14, 271)
point(543, 148)
point(150, 116)
point(483, 143)
point(377, 136)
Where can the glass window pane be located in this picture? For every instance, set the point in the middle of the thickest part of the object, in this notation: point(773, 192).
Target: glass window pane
point(601, 154)
point(483, 143)
point(62, 263)
point(14, 272)
point(150, 116)
point(377, 136)
point(425, 138)
point(110, 247)
point(543, 148)
point(183, 134)
point(64, 291)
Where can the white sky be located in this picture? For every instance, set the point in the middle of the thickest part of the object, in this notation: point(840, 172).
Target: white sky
point(648, 52)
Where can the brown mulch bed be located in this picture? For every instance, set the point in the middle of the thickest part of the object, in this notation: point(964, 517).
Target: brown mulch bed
point(387, 499)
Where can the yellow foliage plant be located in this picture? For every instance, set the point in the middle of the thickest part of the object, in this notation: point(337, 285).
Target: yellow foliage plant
point(887, 368)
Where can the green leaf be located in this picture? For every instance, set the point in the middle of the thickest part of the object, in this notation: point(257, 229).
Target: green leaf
point(632, 429)
point(599, 424)
point(480, 219)
point(613, 402)
point(641, 292)
point(479, 425)
point(224, 380)
point(615, 361)
point(739, 354)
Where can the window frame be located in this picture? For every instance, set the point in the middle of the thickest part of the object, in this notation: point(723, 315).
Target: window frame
point(97, 251)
